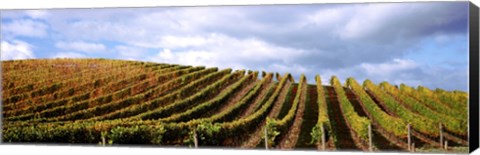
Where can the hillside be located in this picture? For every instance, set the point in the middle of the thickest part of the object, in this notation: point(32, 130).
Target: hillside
point(101, 101)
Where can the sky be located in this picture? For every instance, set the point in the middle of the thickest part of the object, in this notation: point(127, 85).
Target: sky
point(422, 43)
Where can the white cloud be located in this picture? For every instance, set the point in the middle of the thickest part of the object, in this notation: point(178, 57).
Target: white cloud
point(352, 21)
point(196, 58)
point(81, 46)
point(327, 17)
point(359, 40)
point(131, 52)
point(289, 68)
point(135, 25)
point(388, 69)
point(33, 14)
point(367, 19)
point(16, 49)
point(398, 71)
point(224, 51)
point(187, 19)
point(37, 14)
point(69, 55)
point(443, 39)
point(395, 71)
point(182, 42)
point(25, 27)
point(342, 74)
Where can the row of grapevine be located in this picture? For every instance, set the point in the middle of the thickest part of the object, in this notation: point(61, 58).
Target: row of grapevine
point(432, 103)
point(116, 132)
point(419, 122)
point(16, 67)
point(184, 103)
point(92, 100)
point(240, 73)
point(70, 131)
point(282, 126)
point(260, 99)
point(205, 126)
point(17, 77)
point(391, 124)
point(445, 98)
point(76, 88)
point(233, 111)
point(201, 76)
point(391, 128)
point(451, 124)
point(42, 80)
point(111, 87)
point(17, 108)
point(236, 97)
point(74, 104)
point(323, 125)
point(458, 97)
point(255, 137)
point(230, 113)
point(129, 96)
point(207, 106)
point(244, 125)
point(43, 107)
point(192, 79)
point(359, 125)
point(20, 95)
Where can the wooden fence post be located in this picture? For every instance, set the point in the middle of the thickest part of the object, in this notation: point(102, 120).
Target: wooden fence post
point(370, 147)
point(323, 137)
point(446, 145)
point(266, 138)
point(413, 147)
point(103, 140)
point(441, 134)
point(195, 140)
point(409, 138)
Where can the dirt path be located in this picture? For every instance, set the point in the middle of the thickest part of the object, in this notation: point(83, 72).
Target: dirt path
point(257, 100)
point(291, 138)
point(379, 140)
point(289, 101)
point(234, 98)
point(418, 139)
point(255, 138)
point(310, 118)
point(339, 124)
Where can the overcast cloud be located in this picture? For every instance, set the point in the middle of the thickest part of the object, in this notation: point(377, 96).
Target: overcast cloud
point(413, 43)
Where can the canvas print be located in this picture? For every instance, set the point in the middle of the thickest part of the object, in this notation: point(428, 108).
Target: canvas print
point(374, 77)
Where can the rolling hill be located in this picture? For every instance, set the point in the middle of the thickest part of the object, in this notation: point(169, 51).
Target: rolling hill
point(110, 102)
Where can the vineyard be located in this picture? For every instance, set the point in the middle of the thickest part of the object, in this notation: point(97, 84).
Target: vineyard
point(114, 102)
